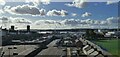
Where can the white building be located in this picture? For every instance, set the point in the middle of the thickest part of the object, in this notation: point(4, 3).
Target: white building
point(113, 34)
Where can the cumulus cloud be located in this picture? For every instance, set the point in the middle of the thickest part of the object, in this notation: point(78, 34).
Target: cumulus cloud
point(87, 21)
point(22, 21)
point(45, 1)
point(6, 7)
point(74, 14)
point(48, 22)
point(77, 3)
point(1, 11)
point(17, 22)
point(113, 20)
point(111, 2)
point(12, 20)
point(61, 24)
point(42, 12)
point(75, 22)
point(103, 23)
point(25, 9)
point(2, 2)
point(37, 2)
point(5, 20)
point(34, 11)
point(0, 22)
point(94, 22)
point(86, 14)
point(57, 13)
point(66, 23)
point(71, 22)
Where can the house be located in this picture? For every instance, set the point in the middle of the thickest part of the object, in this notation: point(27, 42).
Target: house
point(112, 34)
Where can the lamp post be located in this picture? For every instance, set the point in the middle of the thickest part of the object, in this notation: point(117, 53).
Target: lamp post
point(9, 48)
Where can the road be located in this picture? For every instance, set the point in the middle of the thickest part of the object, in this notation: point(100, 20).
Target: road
point(21, 49)
point(53, 43)
point(51, 51)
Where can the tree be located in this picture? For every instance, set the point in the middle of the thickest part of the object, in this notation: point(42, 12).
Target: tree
point(90, 34)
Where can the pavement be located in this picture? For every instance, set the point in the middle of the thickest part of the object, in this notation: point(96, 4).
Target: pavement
point(21, 49)
point(51, 51)
point(53, 43)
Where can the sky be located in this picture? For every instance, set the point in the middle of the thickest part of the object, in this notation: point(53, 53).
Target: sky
point(43, 14)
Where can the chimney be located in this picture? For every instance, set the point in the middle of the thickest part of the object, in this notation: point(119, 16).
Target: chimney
point(12, 27)
point(28, 28)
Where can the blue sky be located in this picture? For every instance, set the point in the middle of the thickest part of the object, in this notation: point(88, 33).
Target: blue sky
point(99, 10)
point(95, 11)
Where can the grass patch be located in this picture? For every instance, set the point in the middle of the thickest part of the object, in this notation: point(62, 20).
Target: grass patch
point(110, 45)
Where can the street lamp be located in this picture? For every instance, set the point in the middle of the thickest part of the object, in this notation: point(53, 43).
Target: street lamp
point(9, 48)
